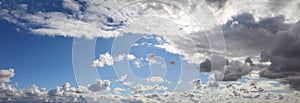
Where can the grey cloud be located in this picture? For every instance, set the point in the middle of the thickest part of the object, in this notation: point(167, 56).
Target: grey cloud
point(245, 36)
point(249, 61)
point(205, 66)
point(100, 86)
point(216, 3)
point(278, 40)
point(277, 5)
point(232, 71)
point(235, 70)
point(284, 57)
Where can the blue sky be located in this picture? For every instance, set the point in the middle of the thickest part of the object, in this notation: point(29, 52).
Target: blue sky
point(41, 60)
point(47, 61)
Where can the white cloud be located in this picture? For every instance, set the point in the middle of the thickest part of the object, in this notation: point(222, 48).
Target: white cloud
point(99, 86)
point(107, 59)
point(118, 90)
point(130, 57)
point(104, 59)
point(34, 90)
point(168, 48)
point(127, 83)
point(155, 79)
point(5, 75)
point(119, 58)
point(140, 88)
point(71, 5)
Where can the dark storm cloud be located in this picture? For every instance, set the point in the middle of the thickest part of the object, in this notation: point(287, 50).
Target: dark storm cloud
point(249, 61)
point(285, 56)
point(245, 36)
point(205, 66)
point(235, 70)
point(279, 41)
point(232, 71)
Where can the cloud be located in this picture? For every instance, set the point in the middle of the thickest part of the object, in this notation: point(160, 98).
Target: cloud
point(168, 48)
point(5, 75)
point(235, 70)
point(99, 86)
point(118, 90)
point(131, 57)
point(232, 71)
point(34, 90)
point(249, 61)
point(140, 88)
point(247, 30)
point(71, 5)
point(107, 59)
point(284, 56)
point(205, 66)
point(9, 93)
point(155, 79)
point(228, 92)
point(216, 3)
point(127, 83)
point(104, 59)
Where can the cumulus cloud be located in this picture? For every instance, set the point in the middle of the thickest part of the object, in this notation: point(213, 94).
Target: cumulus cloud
point(5, 75)
point(155, 79)
point(284, 56)
point(104, 59)
point(235, 70)
point(99, 86)
point(205, 66)
point(230, 92)
point(107, 59)
point(232, 71)
point(140, 88)
point(65, 93)
point(130, 57)
point(118, 90)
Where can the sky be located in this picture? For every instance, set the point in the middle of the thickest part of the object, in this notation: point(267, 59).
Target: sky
point(149, 51)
